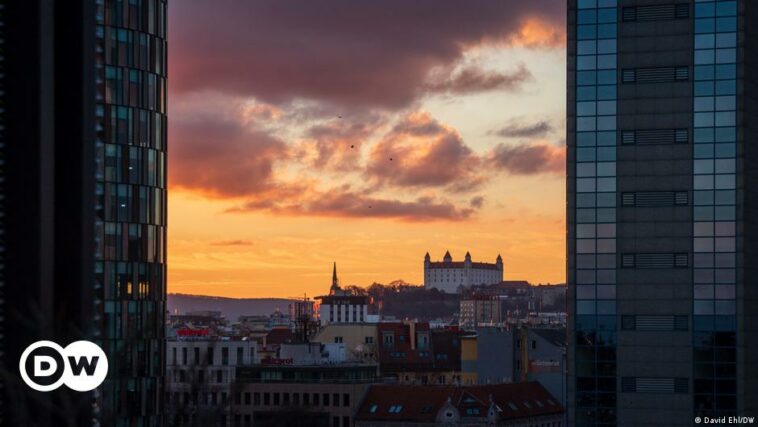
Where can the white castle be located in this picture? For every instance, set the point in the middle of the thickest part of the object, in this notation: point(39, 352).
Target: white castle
point(452, 276)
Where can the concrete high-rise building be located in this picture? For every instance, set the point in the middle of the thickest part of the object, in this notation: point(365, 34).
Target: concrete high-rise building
point(82, 202)
point(662, 193)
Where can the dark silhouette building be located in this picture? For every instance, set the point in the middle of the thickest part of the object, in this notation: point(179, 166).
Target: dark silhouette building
point(82, 201)
point(661, 204)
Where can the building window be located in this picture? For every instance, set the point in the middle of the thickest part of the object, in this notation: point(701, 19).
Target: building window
point(345, 399)
point(338, 340)
point(225, 355)
point(388, 339)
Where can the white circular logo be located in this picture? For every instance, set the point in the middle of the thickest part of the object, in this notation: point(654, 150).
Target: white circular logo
point(45, 365)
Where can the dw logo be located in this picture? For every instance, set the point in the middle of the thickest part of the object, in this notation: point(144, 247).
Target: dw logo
point(82, 366)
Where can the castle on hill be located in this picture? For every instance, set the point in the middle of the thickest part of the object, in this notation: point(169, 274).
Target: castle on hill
point(452, 276)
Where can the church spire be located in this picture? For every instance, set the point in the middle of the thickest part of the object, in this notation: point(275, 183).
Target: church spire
point(335, 282)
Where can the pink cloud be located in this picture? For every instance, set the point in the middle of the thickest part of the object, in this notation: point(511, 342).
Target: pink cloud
point(474, 79)
point(336, 145)
point(343, 202)
point(345, 52)
point(421, 152)
point(222, 157)
point(529, 158)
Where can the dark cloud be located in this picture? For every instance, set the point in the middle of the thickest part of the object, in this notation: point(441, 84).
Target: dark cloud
point(525, 130)
point(477, 202)
point(421, 152)
point(342, 202)
point(336, 145)
point(474, 79)
point(529, 159)
point(345, 52)
point(221, 157)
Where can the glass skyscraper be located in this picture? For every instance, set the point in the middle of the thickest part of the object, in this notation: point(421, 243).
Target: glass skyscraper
point(130, 236)
point(661, 210)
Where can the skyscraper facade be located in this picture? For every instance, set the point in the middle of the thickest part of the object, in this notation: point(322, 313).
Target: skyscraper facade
point(661, 199)
point(130, 236)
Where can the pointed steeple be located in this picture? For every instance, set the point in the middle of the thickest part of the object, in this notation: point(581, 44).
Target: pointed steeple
point(335, 281)
point(448, 257)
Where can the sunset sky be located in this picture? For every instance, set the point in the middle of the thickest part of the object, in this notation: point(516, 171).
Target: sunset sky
point(366, 133)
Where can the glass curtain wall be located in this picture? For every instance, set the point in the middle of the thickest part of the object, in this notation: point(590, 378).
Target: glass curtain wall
point(714, 210)
point(596, 80)
point(131, 207)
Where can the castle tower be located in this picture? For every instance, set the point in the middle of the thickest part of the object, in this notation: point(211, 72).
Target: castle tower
point(448, 257)
point(499, 262)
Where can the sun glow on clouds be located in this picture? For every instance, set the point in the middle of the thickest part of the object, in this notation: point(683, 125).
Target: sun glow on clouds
point(270, 184)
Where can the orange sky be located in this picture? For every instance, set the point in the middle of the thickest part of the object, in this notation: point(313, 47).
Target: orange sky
point(270, 183)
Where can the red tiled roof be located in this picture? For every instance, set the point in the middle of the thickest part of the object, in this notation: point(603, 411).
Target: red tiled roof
point(421, 403)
